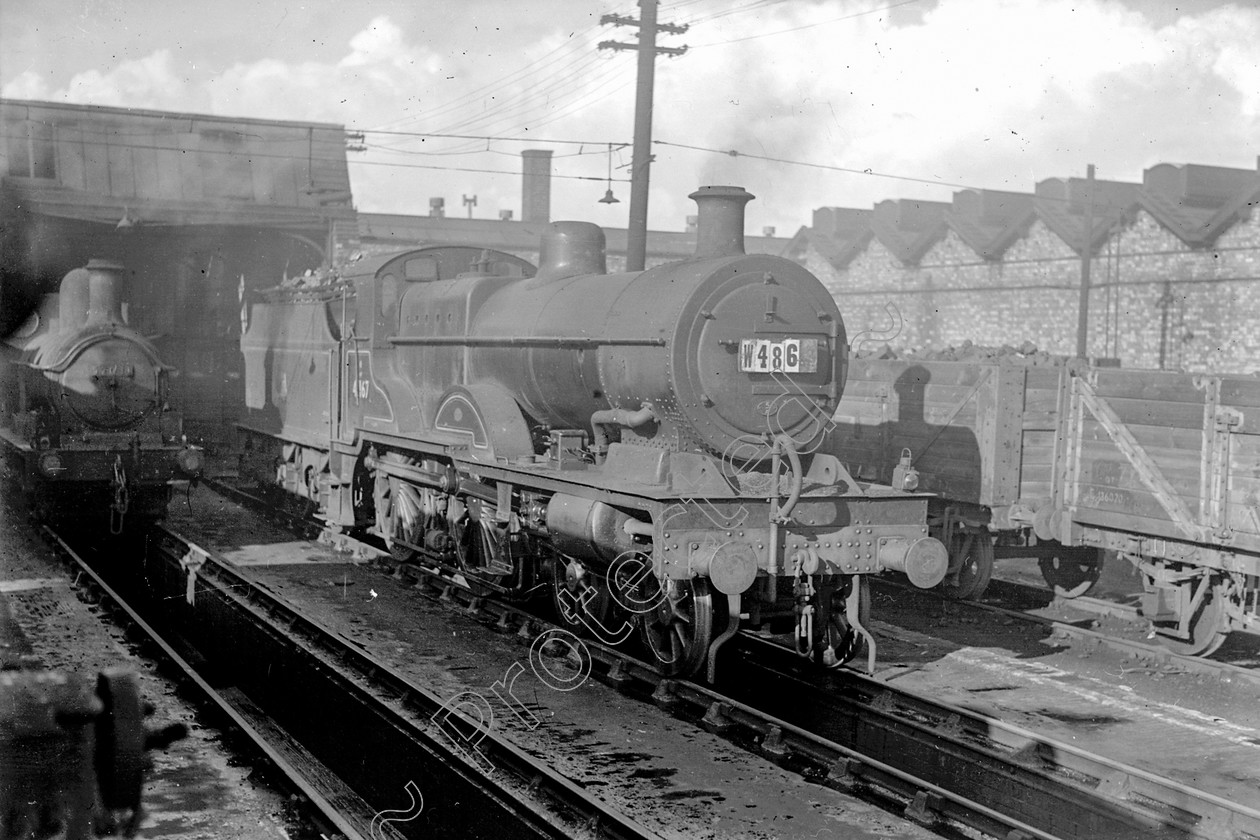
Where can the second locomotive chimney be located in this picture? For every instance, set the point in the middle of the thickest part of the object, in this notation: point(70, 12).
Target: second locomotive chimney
point(720, 222)
point(104, 292)
point(72, 300)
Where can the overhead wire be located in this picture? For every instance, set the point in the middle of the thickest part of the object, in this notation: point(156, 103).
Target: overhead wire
point(558, 89)
point(579, 89)
point(830, 167)
point(727, 12)
point(573, 76)
point(805, 26)
point(510, 97)
point(598, 148)
point(589, 98)
point(573, 45)
point(515, 173)
point(512, 114)
point(310, 159)
point(571, 86)
point(568, 141)
point(564, 62)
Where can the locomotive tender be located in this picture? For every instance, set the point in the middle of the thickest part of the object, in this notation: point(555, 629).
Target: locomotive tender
point(644, 445)
point(85, 422)
point(1069, 461)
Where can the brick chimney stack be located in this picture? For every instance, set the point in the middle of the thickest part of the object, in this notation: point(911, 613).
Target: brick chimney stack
point(536, 185)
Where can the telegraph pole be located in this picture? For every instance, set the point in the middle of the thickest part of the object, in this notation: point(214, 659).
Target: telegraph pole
point(1087, 253)
point(641, 160)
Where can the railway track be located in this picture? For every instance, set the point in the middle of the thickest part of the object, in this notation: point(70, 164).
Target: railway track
point(1086, 622)
point(297, 770)
point(945, 764)
point(244, 639)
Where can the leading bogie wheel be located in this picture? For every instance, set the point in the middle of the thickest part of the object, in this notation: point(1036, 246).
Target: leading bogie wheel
point(678, 628)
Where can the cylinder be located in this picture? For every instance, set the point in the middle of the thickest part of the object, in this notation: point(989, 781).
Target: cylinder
point(720, 221)
point(105, 281)
point(587, 529)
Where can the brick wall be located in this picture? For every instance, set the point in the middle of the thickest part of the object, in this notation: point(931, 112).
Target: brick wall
point(1154, 301)
point(1195, 310)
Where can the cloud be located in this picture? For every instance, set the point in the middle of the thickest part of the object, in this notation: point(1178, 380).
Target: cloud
point(153, 81)
point(995, 94)
point(987, 93)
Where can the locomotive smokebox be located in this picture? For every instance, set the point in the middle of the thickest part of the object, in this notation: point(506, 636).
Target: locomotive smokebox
point(105, 281)
point(720, 226)
point(571, 248)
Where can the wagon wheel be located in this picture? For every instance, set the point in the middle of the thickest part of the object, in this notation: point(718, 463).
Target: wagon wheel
point(973, 552)
point(1068, 575)
point(835, 640)
point(679, 628)
point(1208, 628)
point(573, 579)
point(398, 512)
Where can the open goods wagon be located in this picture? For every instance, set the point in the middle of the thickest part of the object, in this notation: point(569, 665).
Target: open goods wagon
point(1065, 461)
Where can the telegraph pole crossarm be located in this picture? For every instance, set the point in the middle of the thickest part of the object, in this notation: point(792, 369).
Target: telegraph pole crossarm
point(622, 20)
point(618, 47)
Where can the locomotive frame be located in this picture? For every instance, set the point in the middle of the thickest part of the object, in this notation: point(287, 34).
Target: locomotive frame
point(490, 422)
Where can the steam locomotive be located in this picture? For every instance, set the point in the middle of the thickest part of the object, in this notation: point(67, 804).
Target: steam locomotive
point(645, 446)
point(84, 421)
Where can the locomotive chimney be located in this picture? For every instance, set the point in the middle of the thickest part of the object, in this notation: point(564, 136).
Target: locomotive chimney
point(72, 300)
point(570, 248)
point(105, 281)
point(720, 222)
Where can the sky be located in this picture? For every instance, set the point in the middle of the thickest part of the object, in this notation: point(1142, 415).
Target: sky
point(826, 102)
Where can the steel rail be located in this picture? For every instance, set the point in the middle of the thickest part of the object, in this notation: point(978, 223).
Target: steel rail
point(946, 762)
point(1154, 653)
point(1038, 771)
point(817, 758)
point(335, 815)
point(890, 730)
point(408, 708)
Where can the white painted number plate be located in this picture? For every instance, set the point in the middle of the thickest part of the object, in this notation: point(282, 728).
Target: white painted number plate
point(791, 355)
